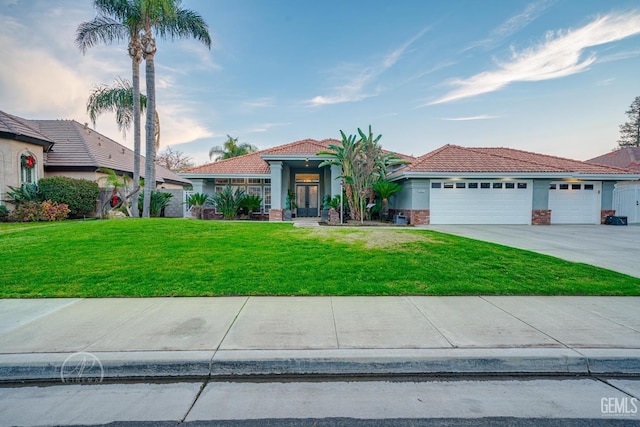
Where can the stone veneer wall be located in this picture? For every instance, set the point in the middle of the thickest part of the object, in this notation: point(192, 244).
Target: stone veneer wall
point(605, 213)
point(541, 217)
point(276, 214)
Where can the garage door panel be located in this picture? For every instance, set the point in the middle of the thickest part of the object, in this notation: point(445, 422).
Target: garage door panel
point(478, 205)
point(575, 203)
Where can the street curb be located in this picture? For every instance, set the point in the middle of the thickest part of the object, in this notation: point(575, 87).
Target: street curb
point(356, 362)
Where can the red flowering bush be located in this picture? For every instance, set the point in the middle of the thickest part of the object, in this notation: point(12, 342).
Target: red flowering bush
point(52, 211)
point(39, 211)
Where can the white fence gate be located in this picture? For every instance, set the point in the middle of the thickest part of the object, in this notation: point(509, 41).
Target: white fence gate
point(187, 207)
point(626, 201)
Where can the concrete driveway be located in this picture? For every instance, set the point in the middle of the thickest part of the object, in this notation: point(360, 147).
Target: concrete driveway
point(615, 248)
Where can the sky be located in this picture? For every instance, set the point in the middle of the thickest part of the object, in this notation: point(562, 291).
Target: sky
point(549, 76)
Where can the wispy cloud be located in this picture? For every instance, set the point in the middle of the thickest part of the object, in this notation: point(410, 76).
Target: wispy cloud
point(265, 127)
point(513, 24)
point(606, 82)
point(264, 102)
point(464, 119)
point(560, 55)
point(354, 90)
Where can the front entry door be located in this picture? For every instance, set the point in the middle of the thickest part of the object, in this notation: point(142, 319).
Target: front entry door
point(307, 200)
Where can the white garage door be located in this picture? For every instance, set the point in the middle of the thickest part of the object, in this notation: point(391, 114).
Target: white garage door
point(481, 202)
point(575, 202)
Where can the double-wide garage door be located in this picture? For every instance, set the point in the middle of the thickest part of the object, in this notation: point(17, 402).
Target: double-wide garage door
point(575, 202)
point(481, 202)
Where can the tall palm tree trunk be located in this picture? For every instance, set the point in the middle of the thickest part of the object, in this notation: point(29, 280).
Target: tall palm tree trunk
point(149, 49)
point(136, 58)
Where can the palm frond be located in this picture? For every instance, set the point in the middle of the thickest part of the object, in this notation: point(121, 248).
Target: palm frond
point(116, 99)
point(102, 29)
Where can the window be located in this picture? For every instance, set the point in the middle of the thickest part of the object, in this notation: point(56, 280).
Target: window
point(497, 185)
point(267, 199)
point(472, 185)
point(485, 185)
point(238, 180)
point(552, 186)
point(588, 186)
point(254, 191)
point(564, 186)
point(509, 185)
point(222, 180)
point(461, 185)
point(436, 185)
point(575, 186)
point(267, 181)
point(28, 169)
point(522, 185)
point(448, 185)
point(254, 181)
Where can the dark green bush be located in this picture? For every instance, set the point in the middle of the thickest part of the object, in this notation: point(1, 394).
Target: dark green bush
point(4, 213)
point(79, 195)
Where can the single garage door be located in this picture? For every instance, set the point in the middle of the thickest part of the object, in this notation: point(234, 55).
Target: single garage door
point(575, 202)
point(480, 202)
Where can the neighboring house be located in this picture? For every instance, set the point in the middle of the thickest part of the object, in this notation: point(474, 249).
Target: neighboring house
point(67, 148)
point(450, 185)
point(626, 195)
point(626, 157)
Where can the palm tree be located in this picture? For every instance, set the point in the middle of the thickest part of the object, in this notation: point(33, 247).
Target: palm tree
point(134, 20)
point(230, 149)
point(385, 189)
point(118, 99)
point(119, 20)
point(167, 18)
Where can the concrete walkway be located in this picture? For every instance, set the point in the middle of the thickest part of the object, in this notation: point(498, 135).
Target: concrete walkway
point(238, 336)
point(615, 248)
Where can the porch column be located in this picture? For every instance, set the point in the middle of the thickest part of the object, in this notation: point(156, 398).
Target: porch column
point(335, 182)
point(198, 185)
point(276, 185)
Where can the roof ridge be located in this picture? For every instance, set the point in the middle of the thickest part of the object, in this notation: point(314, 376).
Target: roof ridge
point(478, 150)
point(24, 122)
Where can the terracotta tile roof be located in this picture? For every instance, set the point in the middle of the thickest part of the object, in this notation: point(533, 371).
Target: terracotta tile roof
point(300, 148)
point(78, 146)
point(453, 158)
point(249, 164)
point(18, 128)
point(627, 157)
point(253, 164)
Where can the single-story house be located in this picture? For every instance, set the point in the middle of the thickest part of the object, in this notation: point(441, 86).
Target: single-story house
point(626, 194)
point(35, 149)
point(450, 185)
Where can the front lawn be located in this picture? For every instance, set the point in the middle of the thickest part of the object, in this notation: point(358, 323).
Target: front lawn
point(173, 257)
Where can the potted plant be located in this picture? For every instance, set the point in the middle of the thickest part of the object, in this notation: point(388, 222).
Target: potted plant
point(326, 200)
point(290, 205)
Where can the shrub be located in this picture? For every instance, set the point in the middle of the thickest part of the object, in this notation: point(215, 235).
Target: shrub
point(26, 212)
point(159, 201)
point(39, 211)
point(228, 201)
point(53, 211)
point(251, 203)
point(24, 193)
point(4, 213)
point(79, 195)
point(197, 202)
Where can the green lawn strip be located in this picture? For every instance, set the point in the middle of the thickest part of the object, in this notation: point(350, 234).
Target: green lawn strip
point(173, 257)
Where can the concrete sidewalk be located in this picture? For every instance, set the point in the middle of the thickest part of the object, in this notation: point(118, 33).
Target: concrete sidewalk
point(240, 336)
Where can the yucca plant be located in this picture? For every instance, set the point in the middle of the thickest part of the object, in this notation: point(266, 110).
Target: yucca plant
point(158, 201)
point(228, 201)
point(23, 194)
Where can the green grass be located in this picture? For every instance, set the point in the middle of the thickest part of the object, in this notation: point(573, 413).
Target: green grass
point(165, 257)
